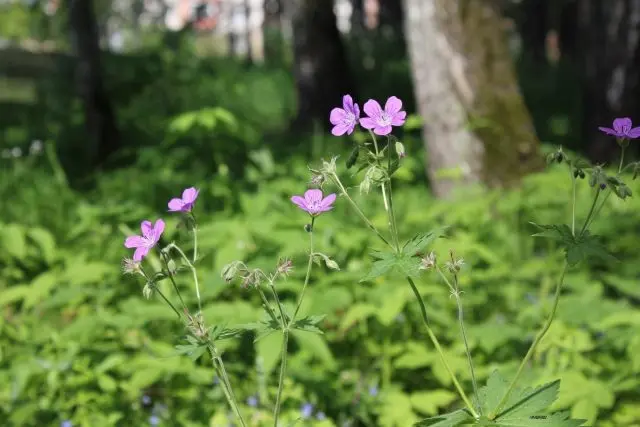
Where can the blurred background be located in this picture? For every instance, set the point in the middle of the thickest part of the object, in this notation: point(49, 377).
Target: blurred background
point(110, 108)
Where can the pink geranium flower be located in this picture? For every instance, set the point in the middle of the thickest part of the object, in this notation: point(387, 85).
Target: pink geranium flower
point(345, 119)
point(185, 204)
point(313, 202)
point(622, 128)
point(381, 120)
point(150, 237)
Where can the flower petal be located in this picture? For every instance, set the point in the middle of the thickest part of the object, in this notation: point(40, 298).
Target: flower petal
point(367, 123)
point(342, 128)
point(337, 116)
point(372, 109)
point(140, 253)
point(356, 111)
point(313, 195)
point(175, 205)
point(393, 105)
point(146, 228)
point(347, 103)
point(134, 242)
point(328, 201)
point(622, 125)
point(300, 202)
point(634, 133)
point(399, 118)
point(158, 228)
point(382, 130)
point(608, 131)
point(190, 195)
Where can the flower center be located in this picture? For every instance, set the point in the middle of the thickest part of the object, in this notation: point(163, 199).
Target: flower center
point(385, 119)
point(349, 118)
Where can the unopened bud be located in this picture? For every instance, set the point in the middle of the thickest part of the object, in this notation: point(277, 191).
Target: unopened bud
point(400, 150)
point(147, 291)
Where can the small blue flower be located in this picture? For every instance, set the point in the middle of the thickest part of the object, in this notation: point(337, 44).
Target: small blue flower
point(321, 416)
point(216, 381)
point(146, 400)
point(154, 420)
point(306, 410)
point(373, 391)
point(252, 401)
point(66, 423)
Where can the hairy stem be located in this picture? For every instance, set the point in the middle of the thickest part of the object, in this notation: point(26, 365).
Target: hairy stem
point(173, 281)
point(438, 347)
point(194, 272)
point(357, 209)
point(166, 300)
point(283, 369)
point(455, 291)
point(535, 343)
point(587, 221)
point(218, 364)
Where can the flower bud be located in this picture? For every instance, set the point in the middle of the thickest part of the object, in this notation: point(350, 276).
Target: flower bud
point(147, 291)
point(400, 150)
point(428, 262)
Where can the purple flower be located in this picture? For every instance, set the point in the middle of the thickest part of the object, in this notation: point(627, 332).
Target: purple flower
point(146, 400)
point(66, 423)
point(345, 119)
point(187, 201)
point(313, 203)
point(373, 391)
point(154, 420)
point(321, 416)
point(306, 410)
point(150, 236)
point(381, 120)
point(622, 128)
point(252, 401)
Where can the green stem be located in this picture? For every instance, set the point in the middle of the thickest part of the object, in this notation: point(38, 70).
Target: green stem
point(267, 307)
point(194, 272)
point(621, 159)
point(283, 369)
point(436, 344)
point(306, 279)
point(166, 300)
point(173, 281)
point(287, 326)
point(535, 343)
point(455, 291)
point(362, 216)
point(573, 201)
point(218, 364)
point(589, 215)
point(195, 244)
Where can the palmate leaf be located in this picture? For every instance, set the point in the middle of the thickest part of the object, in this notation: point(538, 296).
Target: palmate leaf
point(461, 417)
point(309, 324)
point(420, 241)
point(577, 248)
point(389, 261)
point(525, 407)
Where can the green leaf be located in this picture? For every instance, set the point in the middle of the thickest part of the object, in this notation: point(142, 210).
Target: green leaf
point(309, 324)
point(577, 248)
point(14, 241)
point(453, 419)
point(268, 349)
point(429, 402)
point(422, 240)
point(403, 263)
point(524, 407)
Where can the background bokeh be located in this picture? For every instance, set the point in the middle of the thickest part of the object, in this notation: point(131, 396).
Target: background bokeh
point(109, 108)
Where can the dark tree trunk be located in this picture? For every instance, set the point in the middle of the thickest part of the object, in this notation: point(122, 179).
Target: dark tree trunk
point(610, 51)
point(391, 13)
point(357, 16)
point(320, 68)
point(476, 125)
point(533, 27)
point(99, 115)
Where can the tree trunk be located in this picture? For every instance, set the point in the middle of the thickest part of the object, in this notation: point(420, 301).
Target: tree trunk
point(320, 68)
point(476, 125)
point(99, 116)
point(610, 34)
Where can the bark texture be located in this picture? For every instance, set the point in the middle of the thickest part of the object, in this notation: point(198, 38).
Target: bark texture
point(610, 52)
point(475, 121)
point(320, 66)
point(99, 115)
